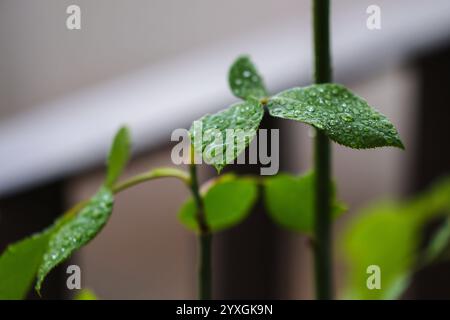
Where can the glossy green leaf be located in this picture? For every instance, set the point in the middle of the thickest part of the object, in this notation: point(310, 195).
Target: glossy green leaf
point(245, 81)
point(19, 264)
point(221, 137)
point(346, 118)
point(85, 294)
point(227, 202)
point(290, 201)
point(76, 232)
point(118, 155)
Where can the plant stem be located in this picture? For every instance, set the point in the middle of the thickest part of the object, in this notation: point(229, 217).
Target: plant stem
point(204, 272)
point(135, 180)
point(151, 175)
point(322, 157)
point(205, 239)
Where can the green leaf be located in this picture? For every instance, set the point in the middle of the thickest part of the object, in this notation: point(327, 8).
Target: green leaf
point(85, 294)
point(118, 155)
point(385, 236)
point(21, 260)
point(221, 137)
point(245, 81)
point(227, 202)
point(389, 235)
point(76, 232)
point(344, 117)
point(438, 247)
point(19, 264)
point(290, 201)
point(42, 252)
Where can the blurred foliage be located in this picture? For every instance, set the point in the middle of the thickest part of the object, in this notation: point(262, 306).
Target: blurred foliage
point(76, 232)
point(19, 264)
point(389, 235)
point(85, 294)
point(227, 201)
point(290, 201)
point(40, 253)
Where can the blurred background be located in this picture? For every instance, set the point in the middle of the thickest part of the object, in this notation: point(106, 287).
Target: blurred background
point(157, 65)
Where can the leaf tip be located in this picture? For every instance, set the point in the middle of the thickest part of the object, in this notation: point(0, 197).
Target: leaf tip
point(399, 144)
point(396, 143)
point(38, 287)
point(119, 155)
point(244, 79)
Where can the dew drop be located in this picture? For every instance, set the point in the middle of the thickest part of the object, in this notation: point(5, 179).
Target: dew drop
point(346, 117)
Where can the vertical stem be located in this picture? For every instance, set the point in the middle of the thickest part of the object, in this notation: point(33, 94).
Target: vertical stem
point(204, 272)
point(322, 157)
point(204, 238)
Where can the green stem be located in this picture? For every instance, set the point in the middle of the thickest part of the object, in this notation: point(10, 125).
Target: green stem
point(205, 270)
point(322, 157)
point(151, 175)
point(205, 239)
point(138, 179)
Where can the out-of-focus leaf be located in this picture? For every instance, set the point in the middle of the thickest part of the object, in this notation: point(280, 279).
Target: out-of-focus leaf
point(385, 236)
point(388, 235)
point(290, 201)
point(118, 156)
point(40, 253)
point(227, 202)
point(439, 244)
point(19, 264)
point(76, 232)
point(85, 294)
point(245, 81)
point(221, 137)
point(346, 118)
point(20, 261)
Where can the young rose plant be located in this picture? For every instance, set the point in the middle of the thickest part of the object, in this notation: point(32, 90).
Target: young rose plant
point(304, 203)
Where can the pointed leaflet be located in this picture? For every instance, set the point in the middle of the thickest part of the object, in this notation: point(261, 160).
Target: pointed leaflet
point(290, 201)
point(76, 232)
point(344, 117)
point(221, 137)
point(227, 202)
point(245, 81)
point(118, 156)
